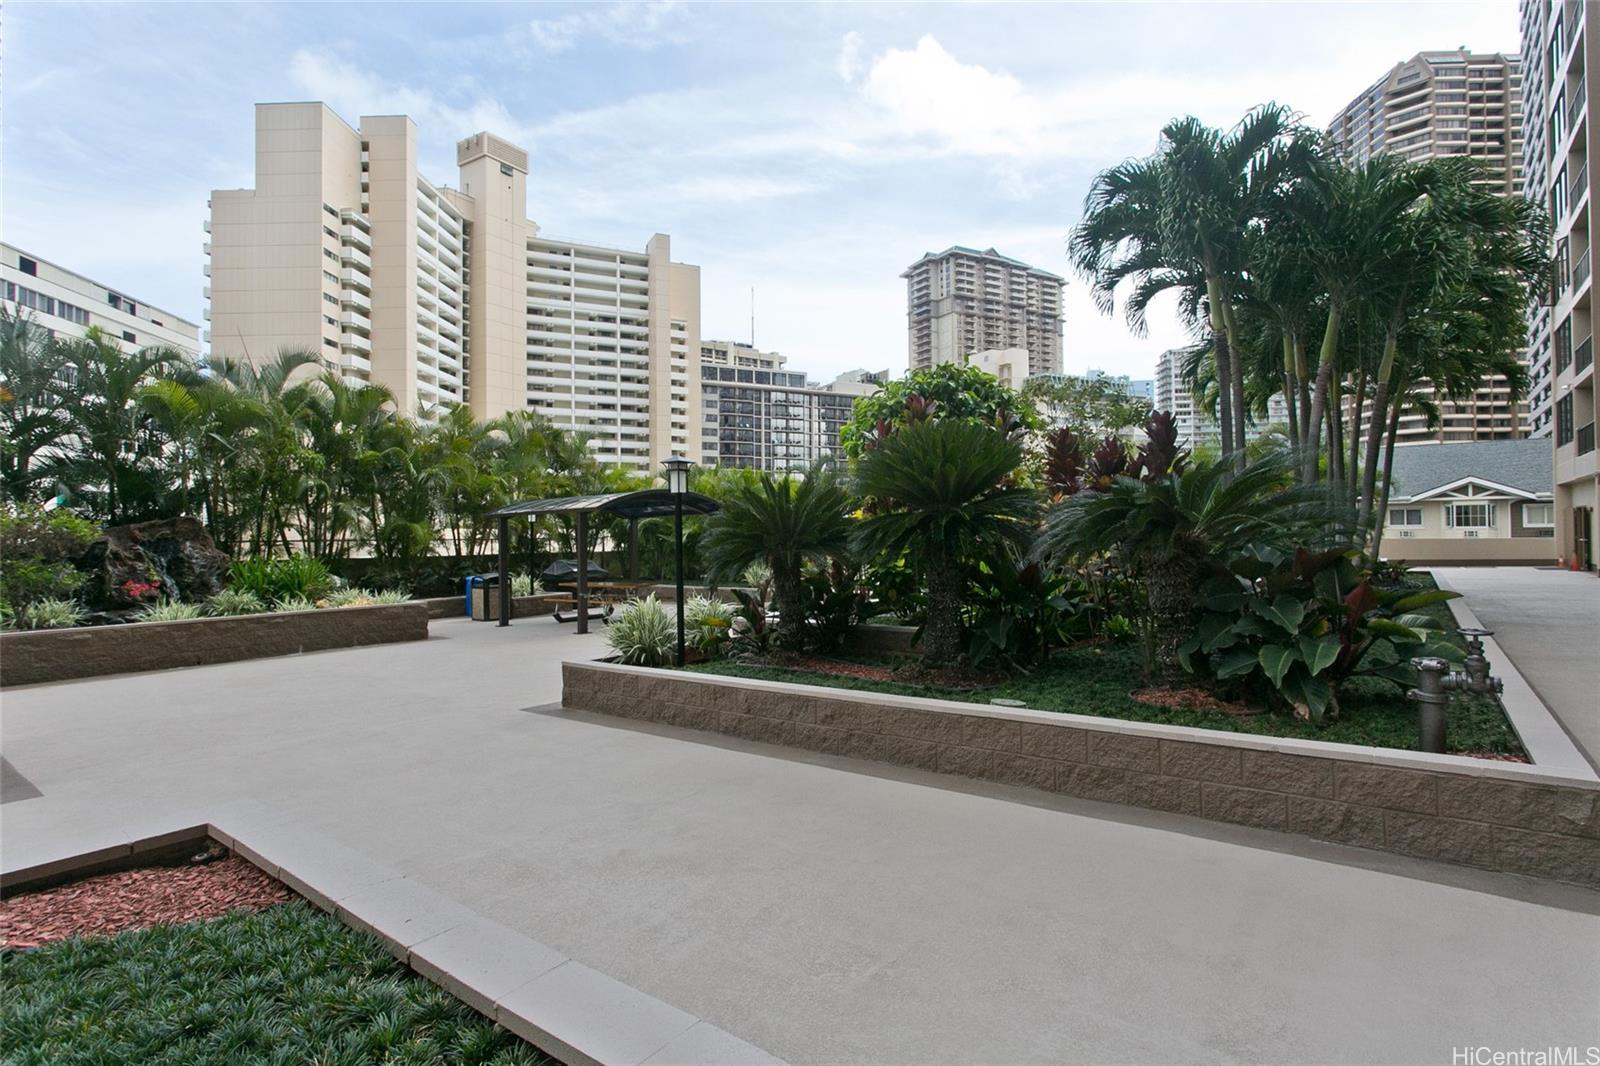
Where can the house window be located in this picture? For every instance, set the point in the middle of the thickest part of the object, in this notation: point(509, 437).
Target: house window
point(1405, 516)
point(1470, 515)
point(1538, 515)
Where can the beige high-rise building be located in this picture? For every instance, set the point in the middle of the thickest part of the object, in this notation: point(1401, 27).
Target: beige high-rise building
point(1436, 105)
point(1562, 144)
point(962, 301)
point(450, 295)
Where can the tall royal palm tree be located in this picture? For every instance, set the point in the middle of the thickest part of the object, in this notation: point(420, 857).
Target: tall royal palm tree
point(784, 522)
point(942, 494)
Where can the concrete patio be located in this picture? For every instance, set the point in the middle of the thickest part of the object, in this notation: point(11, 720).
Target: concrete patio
point(821, 909)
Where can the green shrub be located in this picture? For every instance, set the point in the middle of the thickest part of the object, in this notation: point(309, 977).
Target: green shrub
point(170, 611)
point(350, 597)
point(294, 603)
point(230, 602)
point(525, 585)
point(51, 614)
point(391, 596)
point(644, 633)
point(37, 550)
point(298, 576)
point(707, 623)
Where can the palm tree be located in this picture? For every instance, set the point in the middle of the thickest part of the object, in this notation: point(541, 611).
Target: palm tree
point(33, 413)
point(113, 445)
point(942, 494)
point(1179, 219)
point(1171, 531)
point(784, 522)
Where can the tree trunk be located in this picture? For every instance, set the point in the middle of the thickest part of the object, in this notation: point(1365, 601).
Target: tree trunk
point(941, 637)
point(789, 598)
point(1236, 381)
point(1319, 403)
point(1302, 373)
point(1221, 358)
point(1288, 391)
point(1336, 431)
point(1353, 467)
point(1169, 583)
point(1369, 476)
point(1388, 473)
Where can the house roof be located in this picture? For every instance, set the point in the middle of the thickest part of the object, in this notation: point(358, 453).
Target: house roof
point(1523, 465)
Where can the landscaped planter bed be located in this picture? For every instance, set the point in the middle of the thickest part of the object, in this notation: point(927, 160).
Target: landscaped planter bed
point(1475, 812)
point(261, 977)
point(90, 651)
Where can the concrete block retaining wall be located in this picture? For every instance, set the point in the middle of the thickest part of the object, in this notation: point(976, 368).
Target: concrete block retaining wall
point(1473, 812)
point(90, 651)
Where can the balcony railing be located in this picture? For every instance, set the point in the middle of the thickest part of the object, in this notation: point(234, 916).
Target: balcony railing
point(1579, 184)
point(1580, 270)
point(1586, 439)
point(1584, 355)
point(1575, 105)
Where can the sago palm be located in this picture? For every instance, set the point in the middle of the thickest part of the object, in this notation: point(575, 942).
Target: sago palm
point(784, 522)
point(1172, 530)
point(943, 498)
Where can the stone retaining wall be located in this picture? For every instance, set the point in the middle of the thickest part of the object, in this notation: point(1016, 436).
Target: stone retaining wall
point(1474, 812)
point(63, 654)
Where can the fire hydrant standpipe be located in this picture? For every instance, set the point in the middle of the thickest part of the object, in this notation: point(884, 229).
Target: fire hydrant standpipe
point(1434, 685)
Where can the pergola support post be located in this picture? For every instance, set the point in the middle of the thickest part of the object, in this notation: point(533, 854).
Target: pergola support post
point(505, 571)
point(583, 571)
point(633, 549)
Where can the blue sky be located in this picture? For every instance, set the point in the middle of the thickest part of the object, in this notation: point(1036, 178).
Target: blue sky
point(808, 151)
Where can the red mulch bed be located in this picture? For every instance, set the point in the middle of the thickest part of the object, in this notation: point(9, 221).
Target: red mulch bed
point(840, 668)
point(1191, 699)
point(133, 899)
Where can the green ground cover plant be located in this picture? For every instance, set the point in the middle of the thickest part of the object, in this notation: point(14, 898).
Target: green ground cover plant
point(1098, 680)
point(285, 985)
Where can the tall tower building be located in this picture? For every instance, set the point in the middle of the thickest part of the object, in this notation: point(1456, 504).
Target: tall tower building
point(961, 301)
point(450, 296)
point(1561, 48)
point(1435, 105)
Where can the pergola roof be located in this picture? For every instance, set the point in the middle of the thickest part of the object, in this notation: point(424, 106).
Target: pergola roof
point(645, 503)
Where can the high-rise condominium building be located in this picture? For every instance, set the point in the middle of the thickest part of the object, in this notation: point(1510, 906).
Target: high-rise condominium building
point(1172, 392)
point(961, 301)
point(449, 296)
point(66, 303)
point(761, 415)
point(1439, 104)
point(1560, 45)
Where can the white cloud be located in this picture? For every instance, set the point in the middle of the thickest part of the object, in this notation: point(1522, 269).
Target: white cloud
point(848, 64)
point(354, 92)
point(641, 25)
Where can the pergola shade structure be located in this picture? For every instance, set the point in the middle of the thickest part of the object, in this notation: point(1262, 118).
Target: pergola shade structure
point(634, 506)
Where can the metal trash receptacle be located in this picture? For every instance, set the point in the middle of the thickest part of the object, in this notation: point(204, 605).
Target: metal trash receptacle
point(480, 605)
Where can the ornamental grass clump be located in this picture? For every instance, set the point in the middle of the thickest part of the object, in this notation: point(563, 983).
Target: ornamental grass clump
point(230, 602)
point(50, 614)
point(707, 624)
point(170, 611)
point(644, 633)
point(293, 603)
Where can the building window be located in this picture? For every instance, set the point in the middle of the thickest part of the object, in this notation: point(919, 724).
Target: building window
point(1564, 420)
point(27, 266)
point(1538, 515)
point(1405, 516)
point(128, 336)
point(1470, 515)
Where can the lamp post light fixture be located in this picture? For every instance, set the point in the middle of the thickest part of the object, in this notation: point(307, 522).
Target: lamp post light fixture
point(676, 471)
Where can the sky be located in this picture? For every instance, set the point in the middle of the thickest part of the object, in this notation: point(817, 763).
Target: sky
point(808, 152)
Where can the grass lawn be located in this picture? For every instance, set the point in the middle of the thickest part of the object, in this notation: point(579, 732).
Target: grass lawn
point(288, 984)
point(1097, 680)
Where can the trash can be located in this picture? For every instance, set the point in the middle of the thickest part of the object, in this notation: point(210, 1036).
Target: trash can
point(483, 601)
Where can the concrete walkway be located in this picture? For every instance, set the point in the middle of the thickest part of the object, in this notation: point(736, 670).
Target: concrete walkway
point(1548, 622)
point(824, 913)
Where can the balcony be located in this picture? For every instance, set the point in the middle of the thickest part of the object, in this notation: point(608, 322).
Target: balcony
point(356, 236)
point(356, 341)
point(1580, 96)
point(1586, 439)
point(357, 299)
point(1580, 270)
point(1584, 355)
point(347, 254)
point(356, 279)
point(355, 320)
point(1578, 186)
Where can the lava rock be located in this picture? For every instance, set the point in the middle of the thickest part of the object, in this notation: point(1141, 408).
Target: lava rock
point(133, 566)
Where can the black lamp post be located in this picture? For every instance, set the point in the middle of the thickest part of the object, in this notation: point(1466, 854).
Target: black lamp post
point(676, 471)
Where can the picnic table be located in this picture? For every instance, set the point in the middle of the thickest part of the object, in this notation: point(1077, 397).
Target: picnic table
point(604, 595)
